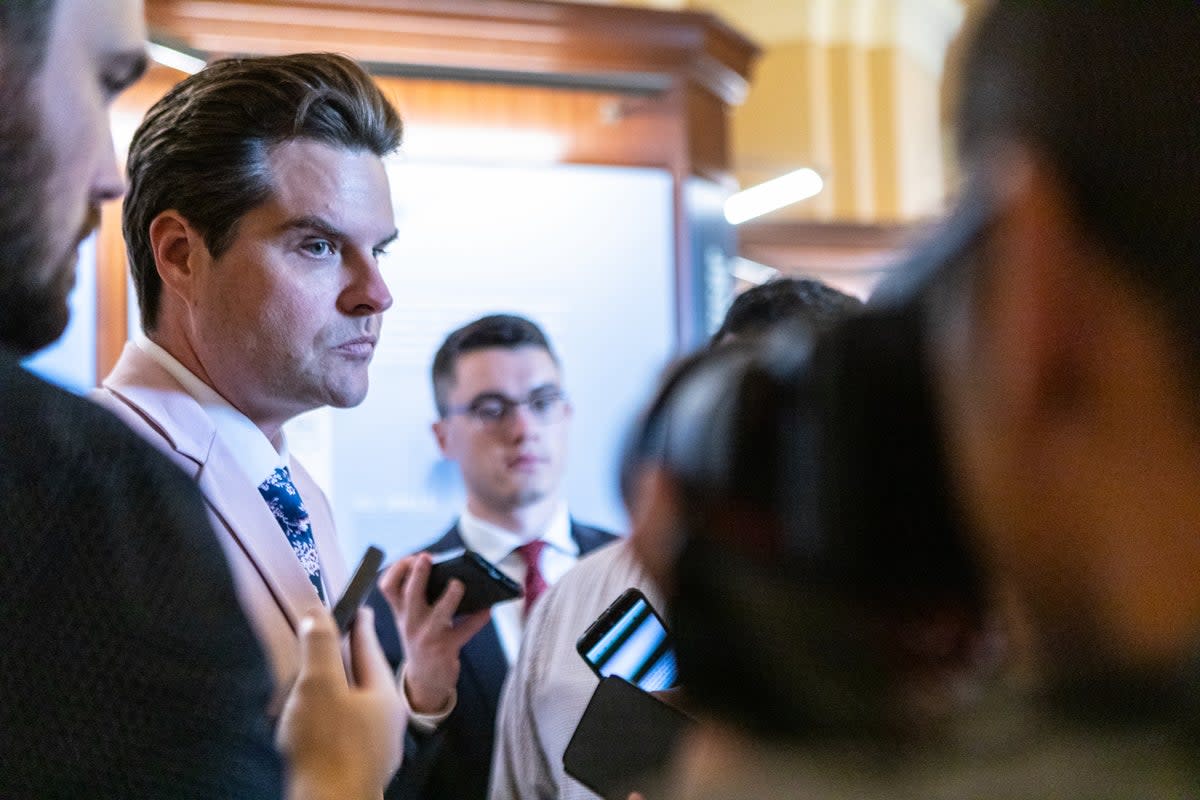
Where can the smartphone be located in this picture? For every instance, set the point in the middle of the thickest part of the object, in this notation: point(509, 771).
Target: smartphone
point(485, 584)
point(630, 641)
point(345, 609)
point(624, 740)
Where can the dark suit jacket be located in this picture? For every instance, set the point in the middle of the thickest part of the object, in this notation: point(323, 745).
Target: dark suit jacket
point(454, 762)
point(127, 668)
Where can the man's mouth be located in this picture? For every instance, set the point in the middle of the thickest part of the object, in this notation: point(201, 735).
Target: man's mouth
point(360, 347)
point(525, 462)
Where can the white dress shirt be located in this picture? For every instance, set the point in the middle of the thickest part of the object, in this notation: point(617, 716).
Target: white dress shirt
point(499, 546)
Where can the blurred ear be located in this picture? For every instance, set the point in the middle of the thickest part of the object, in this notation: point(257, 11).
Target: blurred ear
point(1039, 313)
point(441, 436)
point(654, 523)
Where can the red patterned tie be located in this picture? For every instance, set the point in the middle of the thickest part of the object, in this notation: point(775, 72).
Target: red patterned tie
point(535, 583)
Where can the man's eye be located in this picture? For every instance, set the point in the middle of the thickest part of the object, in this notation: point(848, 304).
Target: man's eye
point(491, 410)
point(318, 247)
point(542, 404)
point(113, 85)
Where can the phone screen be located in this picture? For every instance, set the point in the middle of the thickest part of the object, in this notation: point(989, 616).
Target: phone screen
point(635, 647)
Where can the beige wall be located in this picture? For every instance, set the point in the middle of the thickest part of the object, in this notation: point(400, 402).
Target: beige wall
point(851, 88)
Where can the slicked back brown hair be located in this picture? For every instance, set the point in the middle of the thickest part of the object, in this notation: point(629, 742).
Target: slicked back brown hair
point(203, 149)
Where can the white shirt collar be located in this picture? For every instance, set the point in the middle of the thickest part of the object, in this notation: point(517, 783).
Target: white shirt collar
point(250, 447)
point(494, 543)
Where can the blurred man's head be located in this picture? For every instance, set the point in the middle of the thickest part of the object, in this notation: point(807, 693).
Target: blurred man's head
point(803, 300)
point(62, 62)
point(258, 208)
point(785, 622)
point(1065, 326)
point(799, 304)
point(502, 412)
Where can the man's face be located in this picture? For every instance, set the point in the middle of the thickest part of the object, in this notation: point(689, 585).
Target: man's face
point(518, 460)
point(287, 319)
point(58, 163)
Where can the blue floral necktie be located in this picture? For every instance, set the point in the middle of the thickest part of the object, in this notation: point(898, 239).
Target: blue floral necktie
point(285, 503)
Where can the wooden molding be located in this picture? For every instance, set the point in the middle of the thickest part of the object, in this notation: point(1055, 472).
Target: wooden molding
point(853, 256)
point(777, 233)
point(487, 36)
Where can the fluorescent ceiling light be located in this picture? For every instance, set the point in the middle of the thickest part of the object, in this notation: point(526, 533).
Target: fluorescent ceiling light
point(752, 271)
point(175, 59)
point(773, 194)
point(482, 144)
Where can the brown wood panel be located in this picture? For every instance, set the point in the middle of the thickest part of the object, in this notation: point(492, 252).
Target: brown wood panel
point(596, 127)
point(708, 146)
point(532, 36)
point(850, 256)
point(112, 309)
point(803, 233)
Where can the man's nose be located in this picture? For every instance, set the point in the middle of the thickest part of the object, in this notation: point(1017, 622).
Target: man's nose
point(521, 421)
point(367, 292)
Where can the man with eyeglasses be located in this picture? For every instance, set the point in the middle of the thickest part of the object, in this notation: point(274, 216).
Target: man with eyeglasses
point(503, 417)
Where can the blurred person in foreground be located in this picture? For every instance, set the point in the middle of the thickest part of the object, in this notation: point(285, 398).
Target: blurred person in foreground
point(104, 693)
point(1049, 335)
point(822, 659)
point(550, 685)
point(1059, 306)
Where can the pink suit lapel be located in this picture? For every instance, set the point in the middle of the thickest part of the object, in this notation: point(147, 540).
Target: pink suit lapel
point(151, 391)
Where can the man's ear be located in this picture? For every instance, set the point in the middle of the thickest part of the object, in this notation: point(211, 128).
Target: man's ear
point(441, 436)
point(1037, 300)
point(174, 243)
point(654, 523)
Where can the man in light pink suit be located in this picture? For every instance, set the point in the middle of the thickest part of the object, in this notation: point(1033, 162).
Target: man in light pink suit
point(258, 206)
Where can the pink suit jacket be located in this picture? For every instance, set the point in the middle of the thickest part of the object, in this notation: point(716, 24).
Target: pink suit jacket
point(273, 588)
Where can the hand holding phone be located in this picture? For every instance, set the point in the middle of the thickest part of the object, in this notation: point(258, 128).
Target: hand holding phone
point(484, 584)
point(355, 594)
point(341, 734)
point(432, 633)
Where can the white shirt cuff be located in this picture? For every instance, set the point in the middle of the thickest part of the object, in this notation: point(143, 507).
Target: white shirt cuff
point(425, 723)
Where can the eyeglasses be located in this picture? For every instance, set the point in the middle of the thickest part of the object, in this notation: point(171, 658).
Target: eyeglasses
point(548, 405)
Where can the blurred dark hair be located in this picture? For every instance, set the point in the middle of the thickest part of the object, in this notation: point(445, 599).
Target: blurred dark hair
point(1107, 94)
point(24, 32)
point(761, 307)
point(31, 314)
point(203, 149)
point(823, 574)
point(507, 331)
point(646, 439)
